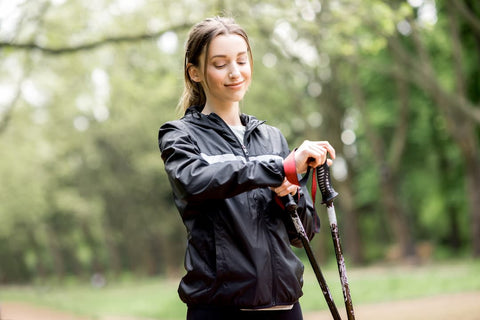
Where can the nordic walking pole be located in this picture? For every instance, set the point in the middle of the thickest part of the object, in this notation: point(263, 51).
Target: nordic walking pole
point(328, 194)
point(291, 208)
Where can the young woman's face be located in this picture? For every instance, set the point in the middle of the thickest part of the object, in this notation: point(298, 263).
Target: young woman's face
point(227, 71)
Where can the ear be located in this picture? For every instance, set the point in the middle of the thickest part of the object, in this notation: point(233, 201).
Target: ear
point(194, 73)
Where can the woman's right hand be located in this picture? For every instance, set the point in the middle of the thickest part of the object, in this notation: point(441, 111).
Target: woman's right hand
point(313, 154)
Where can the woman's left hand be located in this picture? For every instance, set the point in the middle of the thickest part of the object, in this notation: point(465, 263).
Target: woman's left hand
point(285, 188)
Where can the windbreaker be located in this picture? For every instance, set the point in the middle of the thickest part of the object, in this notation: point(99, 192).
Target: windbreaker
point(239, 238)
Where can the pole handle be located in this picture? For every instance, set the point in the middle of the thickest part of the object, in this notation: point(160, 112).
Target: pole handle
point(325, 183)
point(291, 209)
point(289, 203)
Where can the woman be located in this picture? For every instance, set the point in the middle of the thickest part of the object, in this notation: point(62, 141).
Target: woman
point(226, 170)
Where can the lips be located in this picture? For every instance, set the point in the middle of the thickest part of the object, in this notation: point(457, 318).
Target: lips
point(235, 85)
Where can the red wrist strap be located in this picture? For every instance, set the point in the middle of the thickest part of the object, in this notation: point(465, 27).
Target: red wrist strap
point(290, 168)
point(314, 185)
point(291, 174)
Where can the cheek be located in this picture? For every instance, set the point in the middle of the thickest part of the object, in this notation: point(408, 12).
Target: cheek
point(215, 76)
point(247, 72)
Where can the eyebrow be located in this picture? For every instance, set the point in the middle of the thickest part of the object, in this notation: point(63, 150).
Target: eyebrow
point(224, 55)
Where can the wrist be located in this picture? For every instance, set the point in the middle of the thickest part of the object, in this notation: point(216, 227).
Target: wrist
point(290, 168)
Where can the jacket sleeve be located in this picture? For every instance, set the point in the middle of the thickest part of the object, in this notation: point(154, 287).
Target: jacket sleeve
point(193, 178)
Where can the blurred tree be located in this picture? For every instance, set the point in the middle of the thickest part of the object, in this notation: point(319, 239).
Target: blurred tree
point(447, 88)
point(84, 86)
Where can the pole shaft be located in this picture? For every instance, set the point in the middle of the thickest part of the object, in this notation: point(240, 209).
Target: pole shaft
point(321, 280)
point(291, 208)
point(340, 261)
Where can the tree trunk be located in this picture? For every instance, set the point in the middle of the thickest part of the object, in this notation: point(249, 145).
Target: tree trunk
point(466, 134)
point(94, 264)
point(350, 223)
point(55, 252)
point(460, 113)
point(112, 250)
point(388, 181)
point(473, 187)
point(351, 237)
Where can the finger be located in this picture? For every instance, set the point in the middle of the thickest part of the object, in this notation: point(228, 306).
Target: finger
point(285, 188)
point(282, 189)
point(331, 151)
point(311, 153)
point(319, 155)
point(293, 190)
point(329, 148)
point(290, 190)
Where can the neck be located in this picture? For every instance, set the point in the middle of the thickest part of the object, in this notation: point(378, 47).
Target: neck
point(230, 114)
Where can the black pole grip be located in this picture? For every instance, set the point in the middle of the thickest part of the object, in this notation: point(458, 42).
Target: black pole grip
point(325, 183)
point(289, 203)
point(291, 209)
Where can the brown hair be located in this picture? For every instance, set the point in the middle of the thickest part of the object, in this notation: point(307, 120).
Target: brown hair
point(199, 39)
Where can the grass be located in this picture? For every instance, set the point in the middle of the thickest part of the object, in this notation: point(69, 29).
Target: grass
point(391, 283)
point(149, 298)
point(157, 298)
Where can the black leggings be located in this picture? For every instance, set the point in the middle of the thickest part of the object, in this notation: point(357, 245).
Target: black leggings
point(198, 313)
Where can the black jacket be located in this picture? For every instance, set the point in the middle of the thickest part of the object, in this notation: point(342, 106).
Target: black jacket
point(238, 252)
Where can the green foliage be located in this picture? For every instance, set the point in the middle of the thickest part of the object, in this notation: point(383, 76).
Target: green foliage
point(83, 187)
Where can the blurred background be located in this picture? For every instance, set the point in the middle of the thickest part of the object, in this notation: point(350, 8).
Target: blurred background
point(85, 85)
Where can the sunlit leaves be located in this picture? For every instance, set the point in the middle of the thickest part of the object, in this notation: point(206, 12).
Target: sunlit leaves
point(81, 138)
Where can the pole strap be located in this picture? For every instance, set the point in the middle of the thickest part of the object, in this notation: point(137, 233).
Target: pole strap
point(290, 168)
point(292, 175)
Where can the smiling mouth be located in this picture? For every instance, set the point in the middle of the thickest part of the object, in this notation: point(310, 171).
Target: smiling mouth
point(236, 84)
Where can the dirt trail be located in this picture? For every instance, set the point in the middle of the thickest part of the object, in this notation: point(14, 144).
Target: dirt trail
point(22, 311)
point(461, 306)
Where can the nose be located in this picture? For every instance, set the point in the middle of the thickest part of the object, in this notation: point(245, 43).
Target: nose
point(234, 71)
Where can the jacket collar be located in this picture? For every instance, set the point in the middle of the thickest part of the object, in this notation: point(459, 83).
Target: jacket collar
point(194, 114)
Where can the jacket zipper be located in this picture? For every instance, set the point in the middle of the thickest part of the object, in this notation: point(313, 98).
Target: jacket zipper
point(269, 241)
point(244, 149)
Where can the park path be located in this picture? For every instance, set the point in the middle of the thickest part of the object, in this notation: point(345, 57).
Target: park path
point(461, 306)
point(23, 311)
